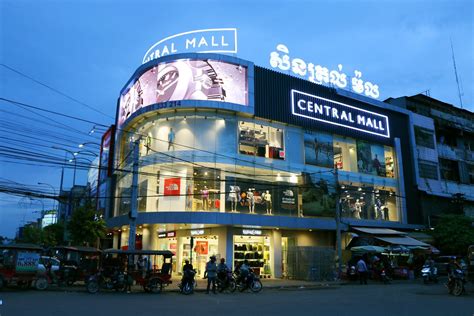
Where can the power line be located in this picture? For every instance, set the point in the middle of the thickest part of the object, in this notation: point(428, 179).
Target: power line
point(56, 91)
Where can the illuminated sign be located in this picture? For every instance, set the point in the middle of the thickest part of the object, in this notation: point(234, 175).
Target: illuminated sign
point(172, 186)
point(322, 75)
point(221, 40)
point(171, 234)
point(256, 232)
point(197, 232)
point(336, 113)
point(185, 79)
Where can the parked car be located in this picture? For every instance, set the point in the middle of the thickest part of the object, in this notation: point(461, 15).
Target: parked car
point(45, 260)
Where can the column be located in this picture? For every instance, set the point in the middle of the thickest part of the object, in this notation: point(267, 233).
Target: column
point(275, 253)
point(115, 242)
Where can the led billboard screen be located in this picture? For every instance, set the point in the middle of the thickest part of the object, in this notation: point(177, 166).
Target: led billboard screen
point(185, 79)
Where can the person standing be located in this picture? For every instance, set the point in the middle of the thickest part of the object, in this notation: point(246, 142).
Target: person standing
point(362, 270)
point(211, 274)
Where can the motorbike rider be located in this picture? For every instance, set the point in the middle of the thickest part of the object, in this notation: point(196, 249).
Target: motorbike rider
point(186, 268)
point(430, 262)
point(451, 268)
point(222, 271)
point(211, 274)
point(244, 271)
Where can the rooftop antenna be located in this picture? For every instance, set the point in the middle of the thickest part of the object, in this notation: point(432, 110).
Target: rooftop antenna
point(456, 73)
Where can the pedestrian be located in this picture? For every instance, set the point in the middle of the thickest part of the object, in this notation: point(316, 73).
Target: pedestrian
point(362, 270)
point(222, 271)
point(211, 274)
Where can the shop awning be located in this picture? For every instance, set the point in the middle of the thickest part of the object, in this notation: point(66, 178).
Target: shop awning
point(379, 231)
point(404, 241)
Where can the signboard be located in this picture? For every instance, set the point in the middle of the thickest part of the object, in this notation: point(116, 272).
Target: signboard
point(172, 186)
point(185, 79)
point(336, 113)
point(219, 40)
point(106, 154)
point(202, 247)
point(322, 75)
point(171, 234)
point(27, 262)
point(253, 232)
point(197, 232)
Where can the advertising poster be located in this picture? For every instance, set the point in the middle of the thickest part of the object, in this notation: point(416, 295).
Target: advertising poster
point(27, 262)
point(364, 157)
point(186, 79)
point(142, 193)
point(378, 160)
point(172, 186)
point(318, 149)
point(106, 154)
point(202, 247)
point(318, 199)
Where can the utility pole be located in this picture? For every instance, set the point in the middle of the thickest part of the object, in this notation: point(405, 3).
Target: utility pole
point(338, 224)
point(133, 203)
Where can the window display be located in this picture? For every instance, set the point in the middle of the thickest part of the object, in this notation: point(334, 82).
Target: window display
point(364, 202)
point(205, 189)
point(254, 249)
point(319, 149)
point(260, 140)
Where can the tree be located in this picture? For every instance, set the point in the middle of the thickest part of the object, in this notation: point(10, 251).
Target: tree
point(53, 235)
point(86, 226)
point(31, 234)
point(454, 233)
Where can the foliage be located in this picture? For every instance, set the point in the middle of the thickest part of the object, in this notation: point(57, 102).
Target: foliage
point(53, 235)
point(31, 234)
point(453, 234)
point(86, 226)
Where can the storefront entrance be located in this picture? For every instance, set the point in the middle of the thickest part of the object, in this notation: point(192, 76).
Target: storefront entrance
point(256, 250)
point(203, 248)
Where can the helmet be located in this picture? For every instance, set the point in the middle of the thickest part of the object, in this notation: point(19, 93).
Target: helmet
point(222, 260)
point(213, 257)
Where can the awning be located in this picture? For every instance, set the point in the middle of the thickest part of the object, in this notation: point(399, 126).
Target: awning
point(378, 231)
point(405, 241)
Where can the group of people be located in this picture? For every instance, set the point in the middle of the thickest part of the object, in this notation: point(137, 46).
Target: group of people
point(219, 272)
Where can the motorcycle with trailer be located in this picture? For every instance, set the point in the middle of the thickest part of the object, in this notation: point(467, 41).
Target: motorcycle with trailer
point(19, 265)
point(121, 268)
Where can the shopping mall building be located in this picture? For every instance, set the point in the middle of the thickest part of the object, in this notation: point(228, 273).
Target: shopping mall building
point(245, 163)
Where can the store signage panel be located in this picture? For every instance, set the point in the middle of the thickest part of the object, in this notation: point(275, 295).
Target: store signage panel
point(185, 79)
point(197, 232)
point(322, 75)
point(172, 186)
point(219, 40)
point(253, 232)
point(171, 234)
point(336, 113)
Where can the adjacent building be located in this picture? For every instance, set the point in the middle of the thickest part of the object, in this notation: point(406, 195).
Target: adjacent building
point(443, 144)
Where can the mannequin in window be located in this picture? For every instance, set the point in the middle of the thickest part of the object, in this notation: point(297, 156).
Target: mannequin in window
point(171, 139)
point(251, 201)
point(148, 144)
point(268, 202)
point(357, 209)
point(233, 199)
point(205, 198)
point(378, 209)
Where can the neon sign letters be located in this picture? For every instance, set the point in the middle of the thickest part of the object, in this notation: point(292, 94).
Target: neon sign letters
point(322, 75)
point(220, 40)
point(336, 113)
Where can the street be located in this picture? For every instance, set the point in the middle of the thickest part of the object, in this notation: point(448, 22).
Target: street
point(374, 299)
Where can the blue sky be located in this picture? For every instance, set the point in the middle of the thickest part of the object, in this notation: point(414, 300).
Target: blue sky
point(89, 49)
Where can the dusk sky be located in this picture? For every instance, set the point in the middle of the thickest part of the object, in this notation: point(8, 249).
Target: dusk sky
point(89, 49)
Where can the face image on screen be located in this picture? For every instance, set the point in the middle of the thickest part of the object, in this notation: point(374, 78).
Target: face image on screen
point(186, 80)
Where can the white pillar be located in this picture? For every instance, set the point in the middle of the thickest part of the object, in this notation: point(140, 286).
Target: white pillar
point(275, 254)
point(115, 241)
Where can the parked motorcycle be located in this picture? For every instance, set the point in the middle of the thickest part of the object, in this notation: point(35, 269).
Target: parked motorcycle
point(117, 281)
point(188, 283)
point(227, 283)
point(456, 283)
point(251, 281)
point(429, 274)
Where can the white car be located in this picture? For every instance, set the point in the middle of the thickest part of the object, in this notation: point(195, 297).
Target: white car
point(45, 261)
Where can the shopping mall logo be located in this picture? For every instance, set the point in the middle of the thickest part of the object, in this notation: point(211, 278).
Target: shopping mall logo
point(220, 40)
point(336, 113)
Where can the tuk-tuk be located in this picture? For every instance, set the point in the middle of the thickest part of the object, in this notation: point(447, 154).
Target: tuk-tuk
point(19, 264)
point(77, 263)
point(139, 266)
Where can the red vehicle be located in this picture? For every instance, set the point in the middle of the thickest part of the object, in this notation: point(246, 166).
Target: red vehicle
point(150, 269)
point(19, 265)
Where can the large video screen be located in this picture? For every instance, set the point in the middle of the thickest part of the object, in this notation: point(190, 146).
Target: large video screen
point(186, 79)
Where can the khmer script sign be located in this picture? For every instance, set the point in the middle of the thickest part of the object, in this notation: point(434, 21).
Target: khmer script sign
point(220, 40)
point(336, 113)
point(319, 74)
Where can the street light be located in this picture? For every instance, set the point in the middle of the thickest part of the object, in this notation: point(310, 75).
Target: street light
point(88, 143)
point(70, 160)
point(86, 152)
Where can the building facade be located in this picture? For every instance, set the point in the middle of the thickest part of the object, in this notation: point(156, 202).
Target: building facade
point(243, 162)
point(444, 156)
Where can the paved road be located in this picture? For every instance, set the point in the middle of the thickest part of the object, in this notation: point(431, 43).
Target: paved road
point(374, 299)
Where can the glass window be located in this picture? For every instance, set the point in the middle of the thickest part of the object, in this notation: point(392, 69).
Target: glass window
point(366, 202)
point(389, 162)
point(345, 155)
point(428, 169)
point(319, 149)
point(449, 169)
point(205, 189)
point(470, 169)
point(371, 159)
point(260, 140)
point(424, 137)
